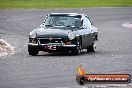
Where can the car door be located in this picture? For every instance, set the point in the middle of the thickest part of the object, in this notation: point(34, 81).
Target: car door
point(88, 31)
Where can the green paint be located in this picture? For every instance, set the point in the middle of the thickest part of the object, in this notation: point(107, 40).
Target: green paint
point(63, 3)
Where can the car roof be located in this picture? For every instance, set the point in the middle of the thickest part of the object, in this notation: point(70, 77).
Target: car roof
point(66, 14)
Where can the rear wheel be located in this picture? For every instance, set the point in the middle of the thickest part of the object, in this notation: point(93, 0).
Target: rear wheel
point(32, 51)
point(92, 47)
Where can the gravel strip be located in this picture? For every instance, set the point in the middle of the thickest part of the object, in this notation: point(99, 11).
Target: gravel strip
point(5, 48)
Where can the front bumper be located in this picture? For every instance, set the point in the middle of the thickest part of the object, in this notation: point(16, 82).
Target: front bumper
point(57, 44)
point(53, 47)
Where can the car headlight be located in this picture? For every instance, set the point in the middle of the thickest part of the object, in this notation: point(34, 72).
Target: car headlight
point(32, 35)
point(71, 36)
point(32, 38)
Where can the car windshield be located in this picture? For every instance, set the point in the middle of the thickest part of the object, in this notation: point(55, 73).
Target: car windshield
point(63, 21)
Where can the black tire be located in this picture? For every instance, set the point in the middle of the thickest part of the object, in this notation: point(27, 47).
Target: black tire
point(92, 48)
point(77, 50)
point(32, 51)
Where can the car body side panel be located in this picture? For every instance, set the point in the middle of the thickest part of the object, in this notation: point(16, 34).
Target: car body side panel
point(89, 38)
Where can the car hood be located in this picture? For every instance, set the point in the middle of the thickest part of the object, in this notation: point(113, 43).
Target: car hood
point(56, 33)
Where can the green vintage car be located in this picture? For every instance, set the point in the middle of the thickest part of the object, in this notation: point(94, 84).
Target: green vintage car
point(63, 32)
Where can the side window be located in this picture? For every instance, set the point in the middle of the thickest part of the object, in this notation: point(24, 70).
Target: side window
point(87, 23)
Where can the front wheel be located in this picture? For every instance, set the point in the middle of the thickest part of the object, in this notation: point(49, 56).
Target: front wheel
point(76, 51)
point(78, 48)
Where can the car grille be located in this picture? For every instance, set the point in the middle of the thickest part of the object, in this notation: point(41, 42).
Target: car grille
point(48, 40)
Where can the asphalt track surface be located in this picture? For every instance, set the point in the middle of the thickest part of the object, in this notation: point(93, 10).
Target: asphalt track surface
point(113, 55)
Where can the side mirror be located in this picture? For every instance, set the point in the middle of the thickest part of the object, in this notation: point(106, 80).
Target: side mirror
point(82, 27)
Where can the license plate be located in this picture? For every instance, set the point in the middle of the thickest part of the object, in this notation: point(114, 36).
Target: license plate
point(50, 47)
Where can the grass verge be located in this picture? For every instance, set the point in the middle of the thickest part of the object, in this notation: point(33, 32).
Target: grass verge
point(63, 3)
